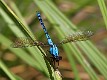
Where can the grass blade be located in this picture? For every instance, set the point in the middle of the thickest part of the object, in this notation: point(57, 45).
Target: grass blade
point(10, 75)
point(103, 9)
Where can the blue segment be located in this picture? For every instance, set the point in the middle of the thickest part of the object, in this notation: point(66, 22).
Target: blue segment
point(53, 47)
point(43, 26)
point(54, 51)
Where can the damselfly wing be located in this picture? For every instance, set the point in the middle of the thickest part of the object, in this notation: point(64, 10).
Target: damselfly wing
point(21, 42)
point(78, 36)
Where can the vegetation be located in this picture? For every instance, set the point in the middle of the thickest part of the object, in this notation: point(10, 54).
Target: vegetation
point(82, 60)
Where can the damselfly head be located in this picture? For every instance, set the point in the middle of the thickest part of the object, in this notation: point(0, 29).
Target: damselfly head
point(58, 58)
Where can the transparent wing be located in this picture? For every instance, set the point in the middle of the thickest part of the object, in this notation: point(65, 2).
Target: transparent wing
point(25, 42)
point(78, 36)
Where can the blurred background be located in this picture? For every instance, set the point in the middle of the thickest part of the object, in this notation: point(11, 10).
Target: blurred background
point(85, 14)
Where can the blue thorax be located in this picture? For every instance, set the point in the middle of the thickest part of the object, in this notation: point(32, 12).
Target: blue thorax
point(54, 50)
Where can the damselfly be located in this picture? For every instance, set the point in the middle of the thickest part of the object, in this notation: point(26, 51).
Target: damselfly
point(27, 42)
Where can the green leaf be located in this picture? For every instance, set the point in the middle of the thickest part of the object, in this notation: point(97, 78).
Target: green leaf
point(6, 70)
point(103, 9)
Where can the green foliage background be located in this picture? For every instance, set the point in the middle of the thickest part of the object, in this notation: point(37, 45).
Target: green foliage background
point(17, 19)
